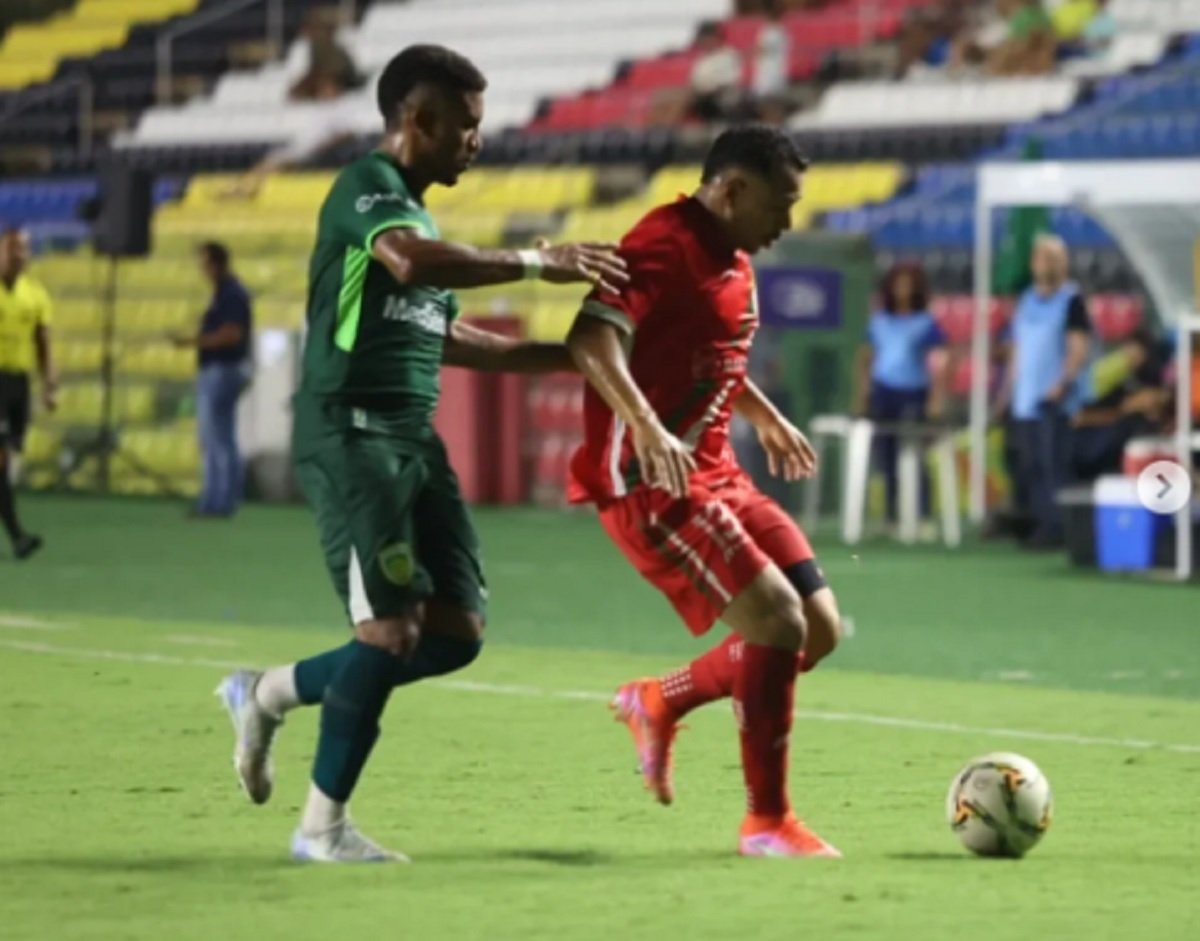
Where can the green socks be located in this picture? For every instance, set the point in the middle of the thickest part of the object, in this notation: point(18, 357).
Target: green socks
point(353, 702)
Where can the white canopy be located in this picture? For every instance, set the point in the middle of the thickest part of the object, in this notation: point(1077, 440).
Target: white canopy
point(1152, 209)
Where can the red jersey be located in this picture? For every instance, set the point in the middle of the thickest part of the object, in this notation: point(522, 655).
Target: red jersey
point(689, 312)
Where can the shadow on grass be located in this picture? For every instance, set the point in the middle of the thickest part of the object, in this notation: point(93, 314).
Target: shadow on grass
point(150, 865)
point(565, 858)
point(927, 857)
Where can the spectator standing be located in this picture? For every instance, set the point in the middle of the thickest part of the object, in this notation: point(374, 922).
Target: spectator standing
point(1050, 338)
point(223, 356)
point(895, 382)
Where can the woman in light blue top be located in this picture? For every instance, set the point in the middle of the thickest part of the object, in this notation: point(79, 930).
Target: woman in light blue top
point(895, 382)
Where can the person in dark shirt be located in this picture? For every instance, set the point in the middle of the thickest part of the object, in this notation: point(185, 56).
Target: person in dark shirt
point(223, 357)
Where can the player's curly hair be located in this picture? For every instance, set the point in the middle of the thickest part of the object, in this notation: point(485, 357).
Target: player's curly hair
point(756, 147)
point(424, 65)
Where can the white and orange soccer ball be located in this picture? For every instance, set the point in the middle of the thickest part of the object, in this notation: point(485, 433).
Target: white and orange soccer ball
point(1000, 805)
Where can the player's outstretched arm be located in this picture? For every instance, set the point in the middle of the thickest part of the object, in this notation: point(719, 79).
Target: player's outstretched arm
point(485, 351)
point(595, 345)
point(413, 259)
point(788, 452)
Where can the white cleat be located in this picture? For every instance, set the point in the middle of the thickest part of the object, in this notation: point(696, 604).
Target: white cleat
point(342, 844)
point(255, 729)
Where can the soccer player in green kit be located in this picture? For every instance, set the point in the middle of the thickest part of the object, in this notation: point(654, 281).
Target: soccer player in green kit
point(396, 535)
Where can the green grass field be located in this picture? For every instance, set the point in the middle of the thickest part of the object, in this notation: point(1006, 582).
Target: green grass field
point(516, 795)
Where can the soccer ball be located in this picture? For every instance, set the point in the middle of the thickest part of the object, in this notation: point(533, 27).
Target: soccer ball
point(1000, 805)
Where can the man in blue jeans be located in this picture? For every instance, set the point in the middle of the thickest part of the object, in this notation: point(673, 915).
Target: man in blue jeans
point(1051, 344)
point(223, 354)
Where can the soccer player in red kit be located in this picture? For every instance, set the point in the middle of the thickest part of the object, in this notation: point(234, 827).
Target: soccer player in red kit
point(665, 359)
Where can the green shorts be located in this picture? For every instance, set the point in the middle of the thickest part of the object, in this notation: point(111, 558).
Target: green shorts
point(393, 525)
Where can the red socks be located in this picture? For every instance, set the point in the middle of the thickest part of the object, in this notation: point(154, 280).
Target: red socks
point(706, 679)
point(709, 677)
point(763, 696)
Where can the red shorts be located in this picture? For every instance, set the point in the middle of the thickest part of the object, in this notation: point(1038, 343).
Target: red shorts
point(704, 551)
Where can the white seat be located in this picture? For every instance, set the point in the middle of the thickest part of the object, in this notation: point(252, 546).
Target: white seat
point(888, 104)
point(529, 50)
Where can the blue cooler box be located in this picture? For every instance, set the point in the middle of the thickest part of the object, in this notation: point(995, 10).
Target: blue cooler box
point(1126, 532)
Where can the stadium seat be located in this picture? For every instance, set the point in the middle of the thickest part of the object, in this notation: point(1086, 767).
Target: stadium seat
point(30, 52)
point(1114, 316)
point(990, 101)
point(82, 404)
point(529, 49)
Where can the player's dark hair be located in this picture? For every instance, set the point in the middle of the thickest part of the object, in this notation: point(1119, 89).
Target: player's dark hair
point(756, 147)
point(216, 254)
point(920, 286)
point(443, 68)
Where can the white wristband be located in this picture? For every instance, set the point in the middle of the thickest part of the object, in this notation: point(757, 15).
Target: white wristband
point(532, 259)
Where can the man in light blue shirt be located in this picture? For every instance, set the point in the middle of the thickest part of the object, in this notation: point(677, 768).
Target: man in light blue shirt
point(1050, 335)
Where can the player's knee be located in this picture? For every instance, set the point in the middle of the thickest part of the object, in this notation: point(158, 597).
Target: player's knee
point(449, 620)
point(780, 623)
point(786, 627)
point(824, 626)
point(398, 636)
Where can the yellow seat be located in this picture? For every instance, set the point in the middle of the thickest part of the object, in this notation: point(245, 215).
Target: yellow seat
point(42, 445)
point(604, 224)
point(82, 404)
point(157, 361)
point(76, 315)
point(30, 52)
point(79, 356)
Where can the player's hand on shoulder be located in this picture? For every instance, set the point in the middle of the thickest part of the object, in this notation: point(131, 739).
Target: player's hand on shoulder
point(595, 263)
point(666, 461)
point(789, 454)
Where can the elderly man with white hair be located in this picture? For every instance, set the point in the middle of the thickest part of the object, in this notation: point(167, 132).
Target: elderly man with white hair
point(1050, 336)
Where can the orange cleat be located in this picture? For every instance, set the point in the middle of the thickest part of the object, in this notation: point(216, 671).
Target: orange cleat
point(782, 837)
point(640, 705)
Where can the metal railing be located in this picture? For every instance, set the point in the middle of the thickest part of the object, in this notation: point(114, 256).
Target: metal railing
point(80, 84)
point(163, 55)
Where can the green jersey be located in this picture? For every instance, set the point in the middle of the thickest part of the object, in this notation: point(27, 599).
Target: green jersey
point(374, 346)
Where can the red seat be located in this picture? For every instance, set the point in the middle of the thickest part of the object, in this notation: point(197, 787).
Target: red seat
point(1115, 316)
point(955, 314)
point(671, 71)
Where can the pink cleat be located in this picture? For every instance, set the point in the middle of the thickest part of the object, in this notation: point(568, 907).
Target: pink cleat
point(640, 705)
point(781, 837)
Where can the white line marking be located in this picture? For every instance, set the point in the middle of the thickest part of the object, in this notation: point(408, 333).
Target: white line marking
point(23, 623)
point(535, 692)
point(1015, 676)
point(201, 640)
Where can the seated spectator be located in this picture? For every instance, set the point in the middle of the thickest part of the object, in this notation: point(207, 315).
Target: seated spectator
point(772, 56)
point(1100, 30)
point(1084, 27)
point(927, 36)
point(331, 70)
point(895, 382)
point(1125, 399)
point(1030, 46)
point(1070, 17)
point(716, 80)
point(1018, 40)
point(329, 74)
